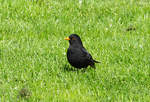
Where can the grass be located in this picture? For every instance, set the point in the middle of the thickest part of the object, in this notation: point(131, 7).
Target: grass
point(33, 64)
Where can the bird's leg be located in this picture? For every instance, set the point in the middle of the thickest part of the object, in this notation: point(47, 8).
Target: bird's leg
point(83, 70)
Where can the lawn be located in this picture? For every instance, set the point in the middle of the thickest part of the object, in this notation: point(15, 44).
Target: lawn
point(33, 63)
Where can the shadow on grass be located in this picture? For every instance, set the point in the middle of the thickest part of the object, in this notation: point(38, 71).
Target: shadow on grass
point(67, 68)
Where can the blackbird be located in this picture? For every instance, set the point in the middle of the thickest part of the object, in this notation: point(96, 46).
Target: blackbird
point(77, 55)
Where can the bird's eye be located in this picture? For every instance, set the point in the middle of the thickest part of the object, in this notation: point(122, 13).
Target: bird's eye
point(73, 38)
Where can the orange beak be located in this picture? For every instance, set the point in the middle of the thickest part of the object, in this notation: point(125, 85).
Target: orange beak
point(67, 38)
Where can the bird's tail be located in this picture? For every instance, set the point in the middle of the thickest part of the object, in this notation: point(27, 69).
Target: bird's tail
point(93, 65)
point(96, 61)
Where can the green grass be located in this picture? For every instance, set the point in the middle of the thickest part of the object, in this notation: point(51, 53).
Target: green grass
point(33, 50)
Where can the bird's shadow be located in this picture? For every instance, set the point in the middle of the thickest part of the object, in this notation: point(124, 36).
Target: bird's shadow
point(67, 68)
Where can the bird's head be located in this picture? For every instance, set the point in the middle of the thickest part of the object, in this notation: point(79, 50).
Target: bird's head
point(74, 40)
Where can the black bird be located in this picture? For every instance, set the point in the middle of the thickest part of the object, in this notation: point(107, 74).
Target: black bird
point(77, 55)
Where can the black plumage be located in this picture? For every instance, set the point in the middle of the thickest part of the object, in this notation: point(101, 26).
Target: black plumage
point(77, 55)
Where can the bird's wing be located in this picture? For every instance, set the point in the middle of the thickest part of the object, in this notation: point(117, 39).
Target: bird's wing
point(86, 54)
point(88, 57)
